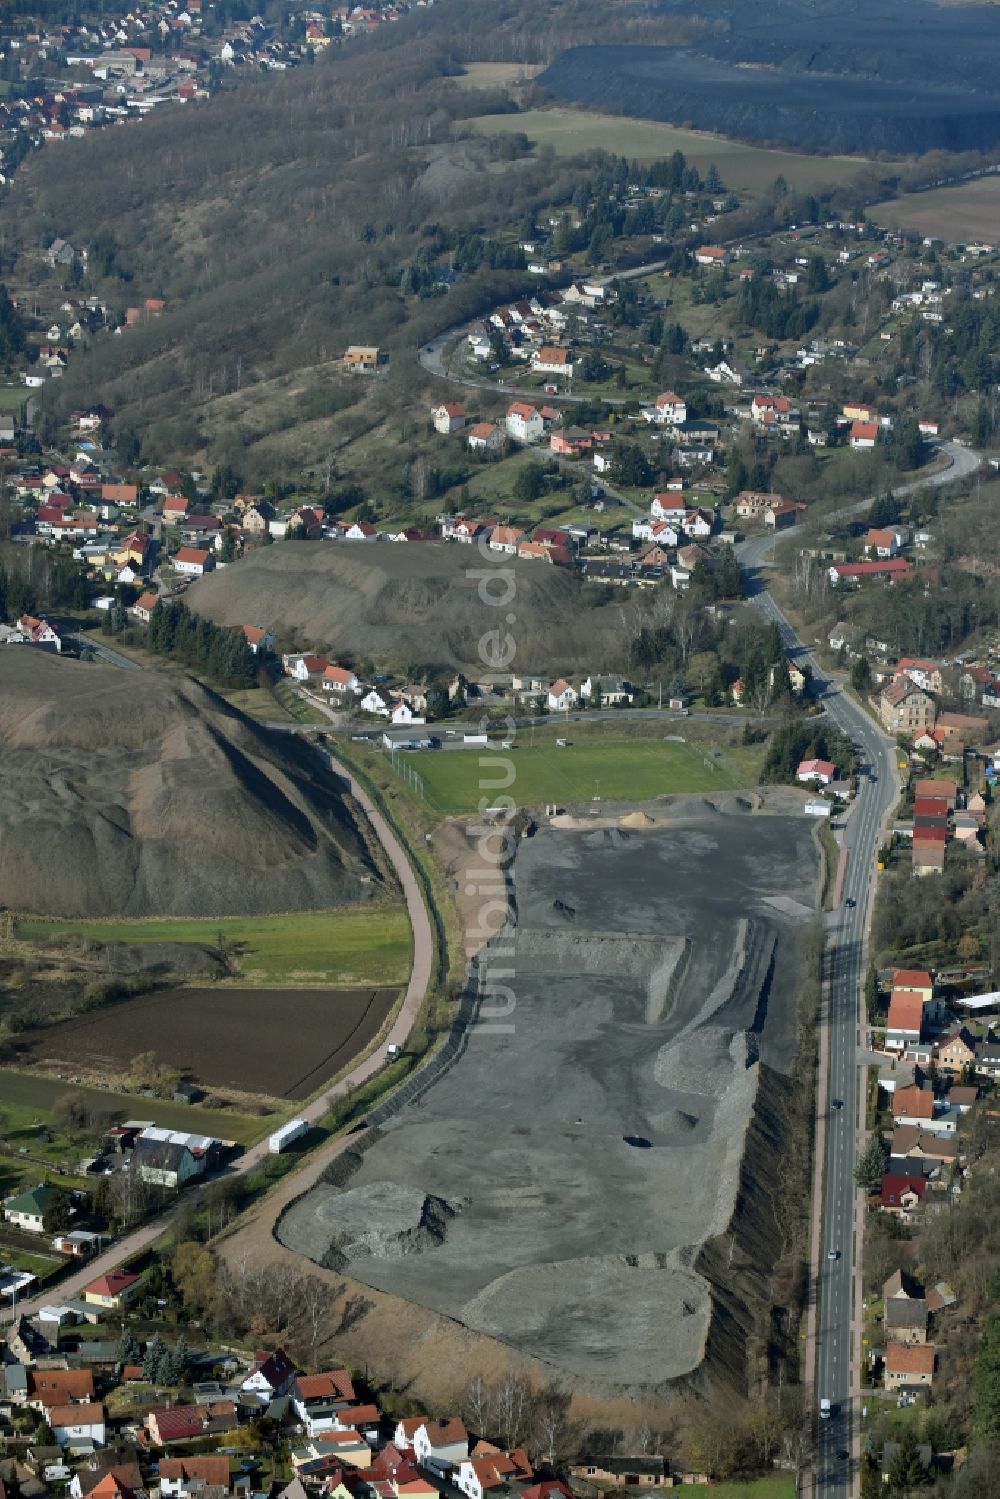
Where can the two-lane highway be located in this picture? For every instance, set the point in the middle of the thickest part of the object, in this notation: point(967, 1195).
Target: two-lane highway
point(835, 1374)
point(844, 967)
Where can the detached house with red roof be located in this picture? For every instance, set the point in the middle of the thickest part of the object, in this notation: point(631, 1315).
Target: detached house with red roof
point(448, 418)
point(341, 681)
point(561, 697)
point(669, 410)
point(904, 1025)
point(193, 561)
point(257, 638)
point(553, 363)
point(114, 1290)
point(864, 435)
point(909, 1365)
point(905, 708)
point(78, 1423)
point(524, 422)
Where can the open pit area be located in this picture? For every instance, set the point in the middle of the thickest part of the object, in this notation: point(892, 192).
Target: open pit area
point(554, 1186)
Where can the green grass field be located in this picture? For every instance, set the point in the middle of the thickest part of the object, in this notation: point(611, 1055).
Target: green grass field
point(570, 131)
point(12, 398)
point(775, 1486)
point(29, 1102)
point(613, 769)
point(370, 946)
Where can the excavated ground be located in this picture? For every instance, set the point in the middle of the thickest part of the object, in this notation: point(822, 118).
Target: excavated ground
point(554, 1186)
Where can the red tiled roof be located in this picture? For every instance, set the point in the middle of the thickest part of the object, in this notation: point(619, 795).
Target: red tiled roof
point(909, 1358)
point(112, 1284)
point(895, 1187)
point(906, 1012)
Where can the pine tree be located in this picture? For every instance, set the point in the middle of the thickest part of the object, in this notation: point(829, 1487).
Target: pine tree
point(153, 1363)
point(871, 1164)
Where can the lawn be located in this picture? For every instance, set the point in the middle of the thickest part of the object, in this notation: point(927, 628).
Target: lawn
point(493, 75)
point(775, 1486)
point(12, 398)
point(29, 1101)
point(300, 948)
point(589, 767)
point(571, 131)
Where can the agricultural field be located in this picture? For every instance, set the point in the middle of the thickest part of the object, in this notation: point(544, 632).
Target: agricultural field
point(743, 168)
point(30, 1104)
point(592, 766)
point(298, 949)
point(283, 1043)
point(967, 211)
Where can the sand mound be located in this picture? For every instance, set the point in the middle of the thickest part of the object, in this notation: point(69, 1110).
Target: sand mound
point(638, 820)
point(413, 604)
point(131, 794)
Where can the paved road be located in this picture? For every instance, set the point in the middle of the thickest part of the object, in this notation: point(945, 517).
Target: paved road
point(416, 990)
point(838, 1378)
point(105, 653)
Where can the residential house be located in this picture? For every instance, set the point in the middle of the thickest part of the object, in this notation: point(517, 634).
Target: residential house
point(361, 359)
point(448, 418)
point(460, 528)
point(485, 437)
point(27, 1210)
point(175, 509)
point(375, 701)
point(553, 363)
point(114, 1290)
point(446, 1441)
point(901, 1196)
point(711, 255)
point(956, 1051)
point(926, 674)
point(506, 539)
point(612, 691)
point(40, 632)
point(78, 1423)
point(905, 1020)
point(753, 504)
point(48, 1387)
point(906, 1316)
point(188, 1423)
point(901, 1286)
point(816, 772)
point(257, 638)
point(917, 980)
point(303, 666)
point(144, 606)
point(881, 542)
point(561, 697)
point(909, 1365)
point(931, 786)
point(186, 1477)
point(340, 680)
point(193, 561)
point(524, 422)
point(669, 410)
point(273, 1374)
point(477, 1477)
point(859, 572)
point(909, 1142)
point(905, 708)
point(913, 1105)
point(105, 1478)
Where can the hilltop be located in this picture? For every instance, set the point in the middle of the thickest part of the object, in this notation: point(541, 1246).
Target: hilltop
point(412, 605)
point(129, 795)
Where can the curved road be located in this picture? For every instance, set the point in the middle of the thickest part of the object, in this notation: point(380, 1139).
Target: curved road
point(420, 976)
point(837, 1370)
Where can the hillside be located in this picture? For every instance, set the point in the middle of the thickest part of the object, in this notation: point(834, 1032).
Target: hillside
point(137, 795)
point(410, 606)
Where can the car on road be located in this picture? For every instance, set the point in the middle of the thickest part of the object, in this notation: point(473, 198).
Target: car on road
point(850, 902)
point(825, 1410)
point(833, 1254)
point(838, 1103)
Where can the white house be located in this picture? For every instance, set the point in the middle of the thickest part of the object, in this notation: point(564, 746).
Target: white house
point(669, 410)
point(553, 363)
point(524, 422)
point(193, 561)
point(341, 680)
point(274, 1375)
point(78, 1423)
point(561, 697)
point(403, 713)
point(816, 772)
point(448, 418)
point(446, 1441)
point(374, 702)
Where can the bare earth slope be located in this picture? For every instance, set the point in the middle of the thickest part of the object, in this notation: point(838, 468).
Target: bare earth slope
point(138, 795)
point(408, 603)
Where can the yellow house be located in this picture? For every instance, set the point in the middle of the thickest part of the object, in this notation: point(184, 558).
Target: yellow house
point(113, 1290)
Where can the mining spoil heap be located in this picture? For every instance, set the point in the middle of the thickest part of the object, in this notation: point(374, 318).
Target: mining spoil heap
point(555, 1182)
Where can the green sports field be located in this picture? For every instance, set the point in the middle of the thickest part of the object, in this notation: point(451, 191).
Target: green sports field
point(633, 770)
point(370, 946)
